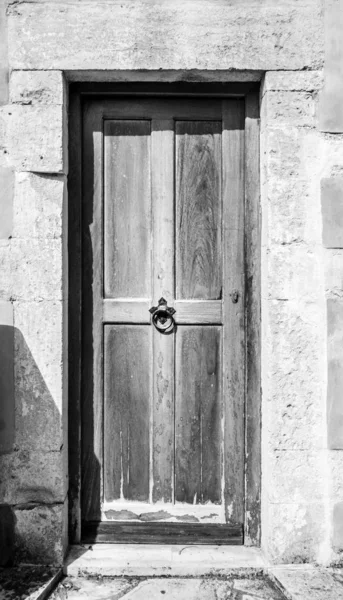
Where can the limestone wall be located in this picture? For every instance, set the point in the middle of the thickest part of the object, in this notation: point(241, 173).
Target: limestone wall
point(287, 45)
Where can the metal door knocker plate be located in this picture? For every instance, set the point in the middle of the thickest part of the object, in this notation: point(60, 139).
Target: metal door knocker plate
point(162, 316)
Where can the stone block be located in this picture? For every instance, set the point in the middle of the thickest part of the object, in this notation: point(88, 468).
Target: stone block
point(39, 375)
point(307, 582)
point(6, 202)
point(291, 211)
point(166, 35)
point(31, 270)
point(294, 476)
point(332, 211)
point(289, 108)
point(335, 373)
point(32, 138)
point(331, 105)
point(293, 371)
point(281, 150)
point(294, 272)
point(32, 477)
point(38, 205)
point(37, 87)
point(294, 532)
point(38, 534)
point(292, 81)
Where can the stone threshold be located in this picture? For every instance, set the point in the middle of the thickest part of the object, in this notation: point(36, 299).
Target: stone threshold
point(155, 560)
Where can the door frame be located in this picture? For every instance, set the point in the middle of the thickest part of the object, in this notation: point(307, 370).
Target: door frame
point(252, 243)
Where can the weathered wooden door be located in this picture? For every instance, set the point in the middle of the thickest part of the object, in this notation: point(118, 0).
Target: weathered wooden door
point(163, 409)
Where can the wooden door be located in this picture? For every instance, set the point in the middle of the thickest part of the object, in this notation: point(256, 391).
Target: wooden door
point(163, 412)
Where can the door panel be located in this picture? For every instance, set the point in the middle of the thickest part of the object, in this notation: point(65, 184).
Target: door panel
point(163, 216)
point(127, 209)
point(198, 415)
point(198, 210)
point(127, 376)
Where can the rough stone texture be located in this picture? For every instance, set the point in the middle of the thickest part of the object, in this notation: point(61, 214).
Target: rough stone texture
point(38, 206)
point(32, 137)
point(296, 532)
point(166, 35)
point(38, 533)
point(335, 373)
point(163, 560)
point(6, 202)
point(309, 82)
point(295, 108)
point(31, 270)
point(3, 54)
point(38, 375)
point(332, 211)
point(32, 477)
point(183, 589)
point(331, 106)
point(37, 87)
point(293, 320)
point(295, 369)
point(31, 583)
point(307, 583)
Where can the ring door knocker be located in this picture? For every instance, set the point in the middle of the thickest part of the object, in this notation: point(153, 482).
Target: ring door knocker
point(162, 316)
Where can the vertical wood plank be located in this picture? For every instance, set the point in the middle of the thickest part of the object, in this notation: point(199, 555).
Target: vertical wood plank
point(198, 415)
point(198, 210)
point(92, 283)
point(253, 303)
point(127, 209)
point(127, 367)
point(162, 155)
point(233, 312)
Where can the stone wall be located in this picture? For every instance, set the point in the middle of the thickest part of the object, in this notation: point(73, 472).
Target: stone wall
point(287, 45)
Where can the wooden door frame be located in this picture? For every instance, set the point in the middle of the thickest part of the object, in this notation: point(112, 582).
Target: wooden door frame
point(250, 92)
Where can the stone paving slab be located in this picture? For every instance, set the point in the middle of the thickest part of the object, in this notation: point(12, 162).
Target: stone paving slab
point(306, 582)
point(166, 588)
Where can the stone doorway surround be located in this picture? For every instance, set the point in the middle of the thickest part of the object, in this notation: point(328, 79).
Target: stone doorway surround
point(283, 46)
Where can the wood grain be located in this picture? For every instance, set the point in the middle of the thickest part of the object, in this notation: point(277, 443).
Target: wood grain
point(198, 210)
point(253, 342)
point(127, 209)
point(127, 376)
point(163, 285)
point(126, 311)
point(234, 312)
point(198, 415)
point(160, 109)
point(161, 533)
point(192, 312)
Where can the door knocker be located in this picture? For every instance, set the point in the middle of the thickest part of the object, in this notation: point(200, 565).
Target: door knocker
point(162, 316)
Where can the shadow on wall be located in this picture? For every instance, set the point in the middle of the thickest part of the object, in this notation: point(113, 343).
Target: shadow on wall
point(32, 483)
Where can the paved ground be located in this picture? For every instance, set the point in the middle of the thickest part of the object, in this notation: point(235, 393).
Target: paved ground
point(297, 582)
point(166, 589)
